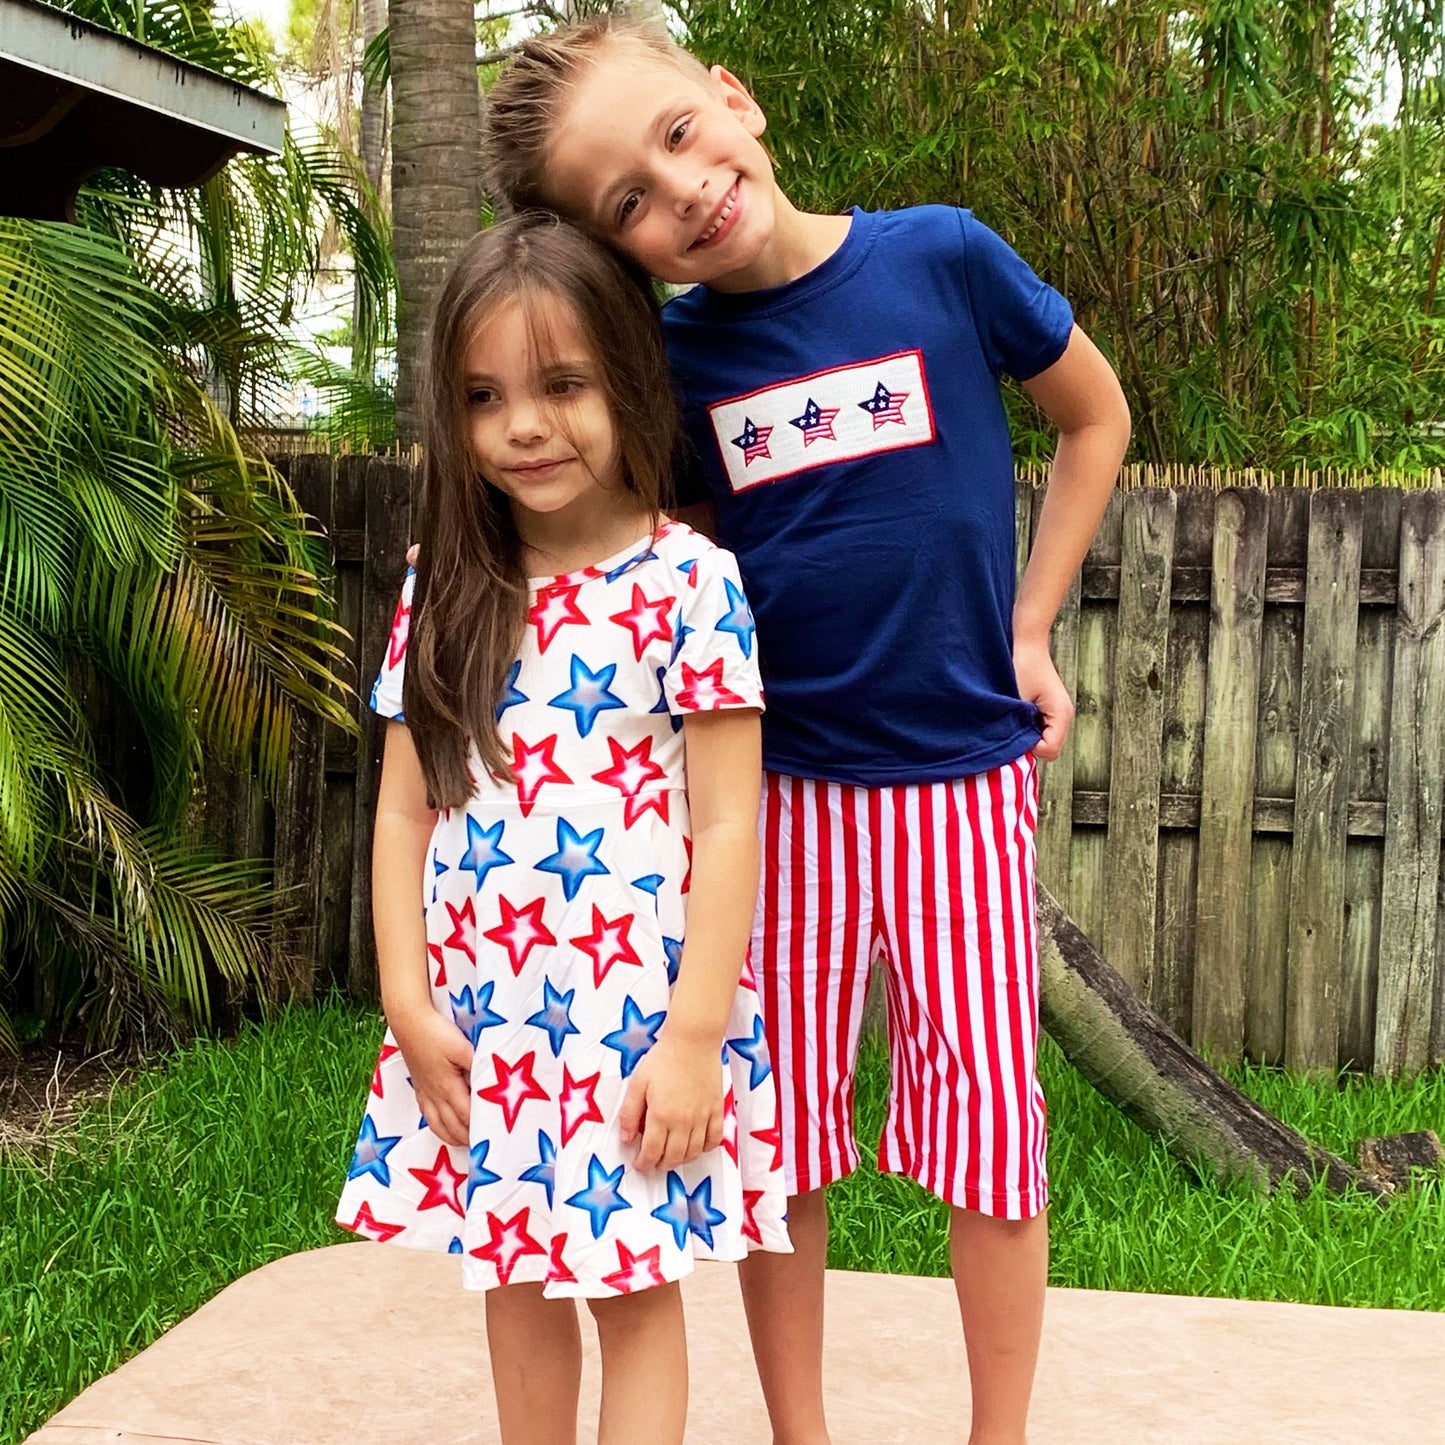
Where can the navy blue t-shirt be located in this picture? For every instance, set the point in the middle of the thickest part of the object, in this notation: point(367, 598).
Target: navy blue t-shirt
point(852, 438)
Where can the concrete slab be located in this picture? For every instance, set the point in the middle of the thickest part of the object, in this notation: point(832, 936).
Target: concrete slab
point(341, 1346)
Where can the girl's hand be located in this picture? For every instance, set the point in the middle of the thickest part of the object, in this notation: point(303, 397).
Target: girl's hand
point(1039, 683)
point(439, 1060)
point(675, 1101)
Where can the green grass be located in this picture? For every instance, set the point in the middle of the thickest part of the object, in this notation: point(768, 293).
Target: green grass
point(231, 1155)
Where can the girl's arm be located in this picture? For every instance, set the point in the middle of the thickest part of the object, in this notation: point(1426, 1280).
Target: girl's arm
point(437, 1053)
point(1081, 395)
point(674, 1099)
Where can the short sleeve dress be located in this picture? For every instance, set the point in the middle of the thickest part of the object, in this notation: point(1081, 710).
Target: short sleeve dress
point(555, 916)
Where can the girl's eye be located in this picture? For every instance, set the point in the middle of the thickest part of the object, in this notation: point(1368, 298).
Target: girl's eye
point(630, 203)
point(565, 385)
point(675, 135)
point(480, 396)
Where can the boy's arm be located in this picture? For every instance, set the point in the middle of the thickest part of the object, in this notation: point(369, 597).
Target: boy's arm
point(1081, 395)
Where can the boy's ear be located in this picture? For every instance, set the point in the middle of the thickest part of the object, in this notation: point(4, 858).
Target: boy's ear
point(738, 99)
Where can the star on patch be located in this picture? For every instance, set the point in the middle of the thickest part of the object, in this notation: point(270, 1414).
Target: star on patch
point(515, 1085)
point(578, 1103)
point(553, 610)
point(816, 423)
point(509, 1242)
point(369, 1156)
point(520, 931)
point(753, 443)
point(588, 695)
point(534, 766)
point(373, 1228)
point(473, 1014)
point(607, 944)
point(636, 1036)
point(554, 1016)
point(686, 1213)
point(484, 850)
point(631, 771)
point(635, 1271)
point(576, 856)
point(737, 619)
point(513, 695)
point(646, 621)
point(602, 1198)
point(544, 1171)
point(885, 406)
point(704, 691)
point(755, 1050)
point(443, 1184)
point(477, 1173)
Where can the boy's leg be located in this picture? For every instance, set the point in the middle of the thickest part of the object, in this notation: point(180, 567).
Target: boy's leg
point(783, 1297)
point(1000, 1269)
point(644, 1367)
point(536, 1350)
point(812, 942)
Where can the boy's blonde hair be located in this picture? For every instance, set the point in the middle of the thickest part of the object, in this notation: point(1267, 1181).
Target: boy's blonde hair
point(524, 105)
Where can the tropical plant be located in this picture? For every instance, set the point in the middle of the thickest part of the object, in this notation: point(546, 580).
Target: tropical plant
point(162, 600)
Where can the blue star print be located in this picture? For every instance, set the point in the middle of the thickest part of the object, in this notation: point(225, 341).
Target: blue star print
point(513, 695)
point(630, 563)
point(478, 1174)
point(673, 948)
point(371, 1152)
point(684, 1212)
point(484, 850)
point(588, 694)
point(737, 619)
point(575, 859)
point(650, 884)
point(544, 1171)
point(472, 1015)
point(754, 1050)
point(554, 1017)
point(636, 1036)
point(601, 1198)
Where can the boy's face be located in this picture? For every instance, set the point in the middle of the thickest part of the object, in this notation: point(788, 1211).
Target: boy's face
point(666, 167)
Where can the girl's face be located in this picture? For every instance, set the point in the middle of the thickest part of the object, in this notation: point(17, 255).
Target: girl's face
point(537, 418)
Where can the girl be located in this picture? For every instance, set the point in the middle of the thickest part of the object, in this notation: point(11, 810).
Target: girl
point(573, 1093)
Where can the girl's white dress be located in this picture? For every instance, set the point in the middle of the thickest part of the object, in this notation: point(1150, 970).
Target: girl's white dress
point(555, 914)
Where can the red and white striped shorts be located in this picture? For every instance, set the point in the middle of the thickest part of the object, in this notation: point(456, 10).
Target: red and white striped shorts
point(936, 881)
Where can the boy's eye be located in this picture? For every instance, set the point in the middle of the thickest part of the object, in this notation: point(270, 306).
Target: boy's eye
point(675, 135)
point(630, 203)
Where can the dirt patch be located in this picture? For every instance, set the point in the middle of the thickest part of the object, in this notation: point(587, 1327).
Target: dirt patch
point(43, 1089)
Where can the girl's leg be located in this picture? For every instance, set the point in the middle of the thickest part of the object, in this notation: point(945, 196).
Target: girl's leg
point(536, 1350)
point(1000, 1269)
point(644, 1367)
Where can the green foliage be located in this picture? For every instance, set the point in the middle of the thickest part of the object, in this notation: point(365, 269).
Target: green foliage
point(1210, 188)
point(162, 602)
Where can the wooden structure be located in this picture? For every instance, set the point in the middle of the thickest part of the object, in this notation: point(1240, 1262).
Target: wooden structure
point(1247, 820)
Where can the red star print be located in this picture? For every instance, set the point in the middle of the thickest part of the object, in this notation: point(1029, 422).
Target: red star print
point(520, 931)
point(573, 1090)
point(387, 1050)
point(435, 949)
point(687, 877)
point(730, 1125)
point(373, 1228)
point(747, 979)
point(646, 621)
point(773, 1138)
point(704, 692)
point(400, 628)
point(557, 1271)
point(607, 943)
point(635, 1271)
point(533, 767)
point(509, 1094)
point(750, 1223)
point(632, 769)
point(509, 1242)
point(464, 929)
point(554, 608)
point(441, 1190)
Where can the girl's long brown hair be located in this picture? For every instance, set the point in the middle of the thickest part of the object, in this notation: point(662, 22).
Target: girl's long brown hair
point(469, 606)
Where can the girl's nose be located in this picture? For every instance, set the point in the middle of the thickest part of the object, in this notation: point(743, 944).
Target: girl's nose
point(526, 420)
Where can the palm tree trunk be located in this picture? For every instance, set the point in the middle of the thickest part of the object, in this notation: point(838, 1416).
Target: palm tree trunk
point(373, 160)
point(436, 188)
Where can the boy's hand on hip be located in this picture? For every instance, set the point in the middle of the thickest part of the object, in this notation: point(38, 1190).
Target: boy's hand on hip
point(1039, 683)
point(674, 1103)
point(439, 1059)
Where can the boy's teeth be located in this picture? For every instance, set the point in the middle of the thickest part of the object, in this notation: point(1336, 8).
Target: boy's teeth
point(712, 230)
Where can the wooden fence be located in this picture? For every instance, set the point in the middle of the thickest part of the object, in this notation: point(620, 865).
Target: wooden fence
point(1247, 818)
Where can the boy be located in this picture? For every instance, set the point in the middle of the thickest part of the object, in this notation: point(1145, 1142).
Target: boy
point(839, 377)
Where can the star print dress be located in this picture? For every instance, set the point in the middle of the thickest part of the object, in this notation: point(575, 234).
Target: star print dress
point(555, 914)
